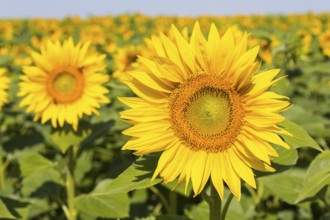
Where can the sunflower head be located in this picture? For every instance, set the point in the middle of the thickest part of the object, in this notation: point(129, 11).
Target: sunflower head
point(64, 84)
point(324, 40)
point(4, 84)
point(125, 60)
point(204, 104)
point(94, 33)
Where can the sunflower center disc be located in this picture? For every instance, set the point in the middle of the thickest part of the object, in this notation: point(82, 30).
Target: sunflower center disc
point(65, 85)
point(206, 113)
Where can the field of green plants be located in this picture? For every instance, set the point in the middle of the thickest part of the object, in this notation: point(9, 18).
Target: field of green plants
point(64, 173)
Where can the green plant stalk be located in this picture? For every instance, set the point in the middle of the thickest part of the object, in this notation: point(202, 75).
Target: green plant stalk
point(173, 202)
point(325, 202)
point(161, 197)
point(3, 167)
point(70, 186)
point(2, 174)
point(2, 171)
point(214, 204)
point(226, 206)
point(253, 194)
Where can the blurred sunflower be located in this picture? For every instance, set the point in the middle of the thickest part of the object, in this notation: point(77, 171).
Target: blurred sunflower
point(201, 103)
point(324, 40)
point(125, 59)
point(4, 84)
point(266, 47)
point(93, 33)
point(303, 41)
point(64, 84)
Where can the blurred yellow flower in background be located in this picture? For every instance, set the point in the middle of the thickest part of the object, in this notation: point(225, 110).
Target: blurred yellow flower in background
point(305, 39)
point(125, 59)
point(324, 40)
point(4, 84)
point(93, 33)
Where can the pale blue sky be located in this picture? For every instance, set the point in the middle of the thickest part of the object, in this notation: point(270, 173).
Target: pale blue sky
point(85, 8)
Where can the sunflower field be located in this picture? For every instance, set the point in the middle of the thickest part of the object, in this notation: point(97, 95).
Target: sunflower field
point(160, 118)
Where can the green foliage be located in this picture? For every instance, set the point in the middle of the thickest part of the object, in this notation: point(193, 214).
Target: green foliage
point(4, 212)
point(13, 209)
point(33, 162)
point(286, 185)
point(286, 159)
point(317, 176)
point(137, 176)
point(297, 185)
point(66, 139)
point(299, 138)
point(105, 206)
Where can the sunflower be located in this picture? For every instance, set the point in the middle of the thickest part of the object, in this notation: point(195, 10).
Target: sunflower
point(201, 104)
point(324, 40)
point(266, 47)
point(64, 84)
point(125, 60)
point(4, 84)
point(305, 40)
point(94, 33)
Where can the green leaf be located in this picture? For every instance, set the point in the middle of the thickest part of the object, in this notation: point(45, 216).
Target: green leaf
point(32, 162)
point(317, 176)
point(322, 68)
point(4, 212)
point(198, 212)
point(13, 209)
point(99, 130)
point(40, 207)
point(172, 217)
point(313, 123)
point(299, 138)
point(137, 176)
point(23, 142)
point(286, 185)
point(139, 196)
point(64, 139)
point(83, 165)
point(243, 209)
point(43, 183)
point(287, 158)
point(40, 176)
point(105, 206)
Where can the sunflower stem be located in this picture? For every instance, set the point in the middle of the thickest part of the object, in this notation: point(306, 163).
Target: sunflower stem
point(70, 186)
point(226, 206)
point(214, 202)
point(161, 198)
point(173, 202)
point(2, 171)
